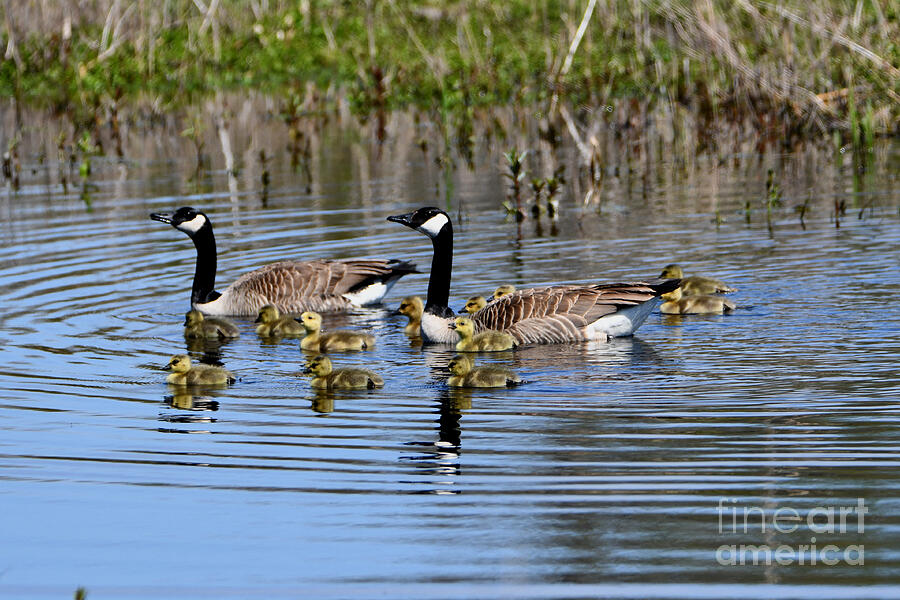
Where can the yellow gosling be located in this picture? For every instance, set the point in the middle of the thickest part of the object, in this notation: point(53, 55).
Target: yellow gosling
point(272, 324)
point(465, 374)
point(197, 326)
point(695, 285)
point(412, 307)
point(183, 373)
point(333, 341)
point(327, 378)
point(486, 341)
point(474, 304)
point(675, 303)
point(503, 290)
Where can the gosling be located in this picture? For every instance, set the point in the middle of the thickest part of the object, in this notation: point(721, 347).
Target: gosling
point(412, 307)
point(465, 374)
point(272, 324)
point(486, 341)
point(333, 341)
point(185, 374)
point(675, 303)
point(474, 304)
point(326, 378)
point(503, 290)
point(695, 285)
point(196, 326)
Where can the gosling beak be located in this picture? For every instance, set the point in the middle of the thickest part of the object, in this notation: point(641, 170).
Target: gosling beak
point(462, 310)
point(307, 370)
point(452, 326)
point(394, 313)
point(161, 217)
point(403, 219)
point(258, 319)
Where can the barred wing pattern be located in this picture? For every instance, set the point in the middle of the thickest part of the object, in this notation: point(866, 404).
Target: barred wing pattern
point(318, 285)
point(561, 313)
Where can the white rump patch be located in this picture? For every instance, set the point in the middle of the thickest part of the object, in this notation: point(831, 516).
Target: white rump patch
point(192, 226)
point(621, 323)
point(371, 294)
point(433, 226)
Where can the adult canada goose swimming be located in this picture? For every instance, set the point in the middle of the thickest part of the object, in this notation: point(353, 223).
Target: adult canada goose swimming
point(326, 378)
point(695, 285)
point(333, 341)
point(486, 341)
point(196, 326)
point(185, 374)
point(675, 303)
point(293, 286)
point(562, 313)
point(412, 307)
point(273, 324)
point(464, 373)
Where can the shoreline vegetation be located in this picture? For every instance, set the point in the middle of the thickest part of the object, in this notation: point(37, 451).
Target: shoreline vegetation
point(704, 78)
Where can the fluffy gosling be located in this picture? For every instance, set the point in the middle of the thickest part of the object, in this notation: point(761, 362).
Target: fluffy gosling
point(676, 303)
point(486, 341)
point(272, 324)
point(465, 374)
point(185, 374)
point(333, 341)
point(503, 290)
point(474, 304)
point(695, 285)
point(327, 378)
point(412, 307)
point(196, 326)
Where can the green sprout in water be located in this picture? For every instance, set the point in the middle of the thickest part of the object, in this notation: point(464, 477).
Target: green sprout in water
point(515, 165)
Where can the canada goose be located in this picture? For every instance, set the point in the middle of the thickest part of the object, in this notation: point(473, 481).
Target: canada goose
point(185, 374)
point(675, 303)
point(562, 313)
point(504, 290)
point(293, 286)
point(474, 304)
point(196, 326)
point(465, 374)
point(334, 341)
point(272, 324)
point(486, 341)
point(695, 285)
point(340, 379)
point(412, 307)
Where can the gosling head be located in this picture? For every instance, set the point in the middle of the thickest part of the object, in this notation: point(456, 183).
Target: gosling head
point(503, 290)
point(312, 321)
point(193, 317)
point(474, 304)
point(318, 366)
point(463, 326)
point(672, 271)
point(187, 219)
point(180, 363)
point(268, 314)
point(460, 365)
point(411, 306)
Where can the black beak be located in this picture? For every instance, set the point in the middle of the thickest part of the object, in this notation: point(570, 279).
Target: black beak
point(307, 370)
point(395, 313)
point(258, 319)
point(452, 325)
point(161, 217)
point(403, 219)
point(462, 310)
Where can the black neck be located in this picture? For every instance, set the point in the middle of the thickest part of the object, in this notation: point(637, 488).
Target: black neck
point(441, 269)
point(205, 271)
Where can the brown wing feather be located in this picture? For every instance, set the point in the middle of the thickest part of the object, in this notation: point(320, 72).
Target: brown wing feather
point(560, 313)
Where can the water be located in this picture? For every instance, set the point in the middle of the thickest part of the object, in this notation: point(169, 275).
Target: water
point(610, 474)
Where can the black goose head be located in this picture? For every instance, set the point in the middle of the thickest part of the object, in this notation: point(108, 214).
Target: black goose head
point(428, 220)
point(187, 219)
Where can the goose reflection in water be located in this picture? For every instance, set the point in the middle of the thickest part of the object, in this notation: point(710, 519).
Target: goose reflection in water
point(440, 458)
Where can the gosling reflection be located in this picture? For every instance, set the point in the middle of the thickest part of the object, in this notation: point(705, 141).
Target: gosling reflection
point(192, 408)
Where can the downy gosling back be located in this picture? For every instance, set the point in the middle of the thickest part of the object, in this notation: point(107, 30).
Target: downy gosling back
point(183, 373)
point(196, 326)
point(327, 378)
point(486, 341)
point(675, 303)
point(695, 285)
point(333, 341)
point(464, 373)
point(272, 324)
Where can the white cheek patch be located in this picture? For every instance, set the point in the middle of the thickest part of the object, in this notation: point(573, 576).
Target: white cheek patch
point(192, 226)
point(433, 226)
